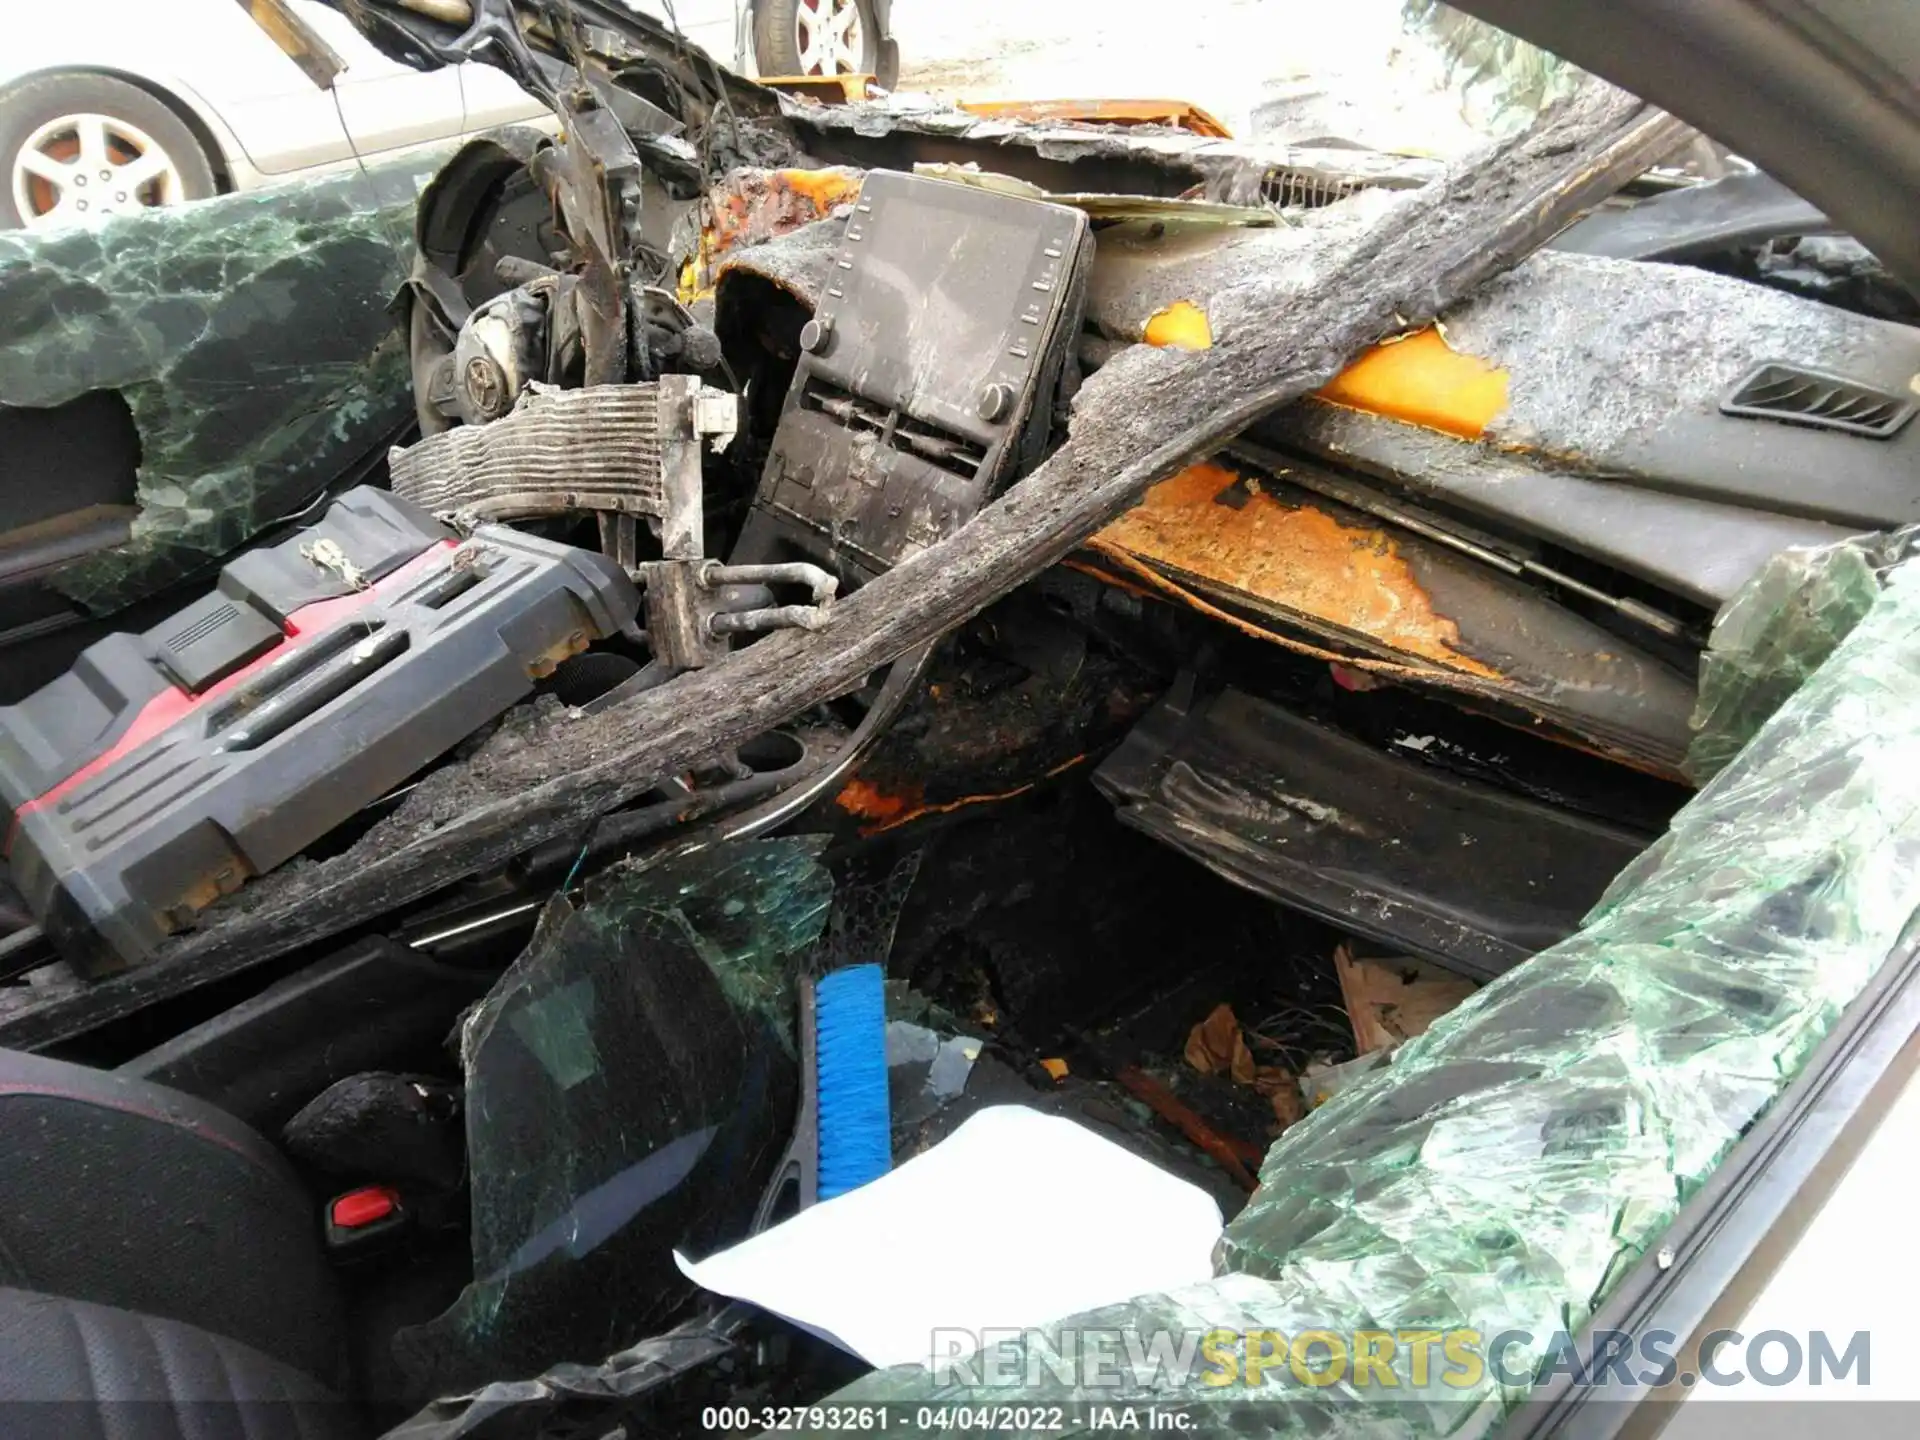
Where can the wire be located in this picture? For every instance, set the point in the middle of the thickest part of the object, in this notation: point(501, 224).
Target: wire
point(586, 844)
point(402, 243)
point(576, 47)
point(722, 107)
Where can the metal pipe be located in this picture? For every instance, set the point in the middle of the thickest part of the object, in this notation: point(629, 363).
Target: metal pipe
point(823, 584)
point(781, 617)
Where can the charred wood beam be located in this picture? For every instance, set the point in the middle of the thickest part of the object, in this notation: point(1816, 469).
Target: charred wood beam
point(298, 40)
point(1143, 416)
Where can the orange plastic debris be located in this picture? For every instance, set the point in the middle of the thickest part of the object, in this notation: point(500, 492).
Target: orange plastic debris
point(1181, 326)
point(828, 89)
point(1207, 522)
point(1423, 380)
point(869, 802)
point(1178, 114)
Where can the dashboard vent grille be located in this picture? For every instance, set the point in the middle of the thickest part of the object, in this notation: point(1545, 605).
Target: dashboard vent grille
point(1828, 402)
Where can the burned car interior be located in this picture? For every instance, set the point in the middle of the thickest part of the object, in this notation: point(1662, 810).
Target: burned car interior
point(1360, 679)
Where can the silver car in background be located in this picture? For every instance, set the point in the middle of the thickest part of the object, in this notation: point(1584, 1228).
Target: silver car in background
point(131, 103)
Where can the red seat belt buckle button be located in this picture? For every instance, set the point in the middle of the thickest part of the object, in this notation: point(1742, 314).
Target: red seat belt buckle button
point(358, 1209)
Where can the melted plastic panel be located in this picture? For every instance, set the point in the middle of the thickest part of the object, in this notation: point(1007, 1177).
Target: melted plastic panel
point(1776, 632)
point(251, 337)
point(629, 1086)
point(1517, 1159)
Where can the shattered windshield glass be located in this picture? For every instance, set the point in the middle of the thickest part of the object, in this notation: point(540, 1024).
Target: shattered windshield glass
point(628, 1083)
point(1778, 631)
point(205, 321)
point(1500, 80)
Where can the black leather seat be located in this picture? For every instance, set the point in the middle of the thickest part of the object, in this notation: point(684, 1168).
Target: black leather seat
point(161, 1273)
point(69, 1369)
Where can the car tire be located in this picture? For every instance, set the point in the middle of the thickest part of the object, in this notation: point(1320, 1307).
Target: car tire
point(138, 139)
point(795, 37)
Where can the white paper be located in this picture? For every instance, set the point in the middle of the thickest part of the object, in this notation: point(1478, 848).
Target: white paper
point(1014, 1220)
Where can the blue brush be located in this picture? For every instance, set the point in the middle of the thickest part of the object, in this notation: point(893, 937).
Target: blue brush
point(850, 1073)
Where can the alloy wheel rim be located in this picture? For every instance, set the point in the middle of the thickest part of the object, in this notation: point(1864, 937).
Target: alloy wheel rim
point(80, 167)
point(829, 36)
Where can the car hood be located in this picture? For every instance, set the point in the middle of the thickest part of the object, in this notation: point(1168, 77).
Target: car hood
point(1819, 93)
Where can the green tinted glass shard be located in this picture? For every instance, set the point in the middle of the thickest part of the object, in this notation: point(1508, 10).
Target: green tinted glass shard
point(252, 337)
point(629, 1087)
point(1776, 632)
point(1501, 82)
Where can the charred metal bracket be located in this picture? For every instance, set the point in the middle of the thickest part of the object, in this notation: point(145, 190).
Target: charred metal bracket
point(665, 336)
point(693, 605)
point(593, 175)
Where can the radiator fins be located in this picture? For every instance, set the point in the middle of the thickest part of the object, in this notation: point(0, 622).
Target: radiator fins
point(559, 450)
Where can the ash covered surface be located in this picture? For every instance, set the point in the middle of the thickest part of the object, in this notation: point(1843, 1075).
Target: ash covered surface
point(1598, 352)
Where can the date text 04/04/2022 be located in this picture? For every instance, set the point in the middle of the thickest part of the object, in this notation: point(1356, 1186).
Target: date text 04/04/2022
point(936, 1419)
